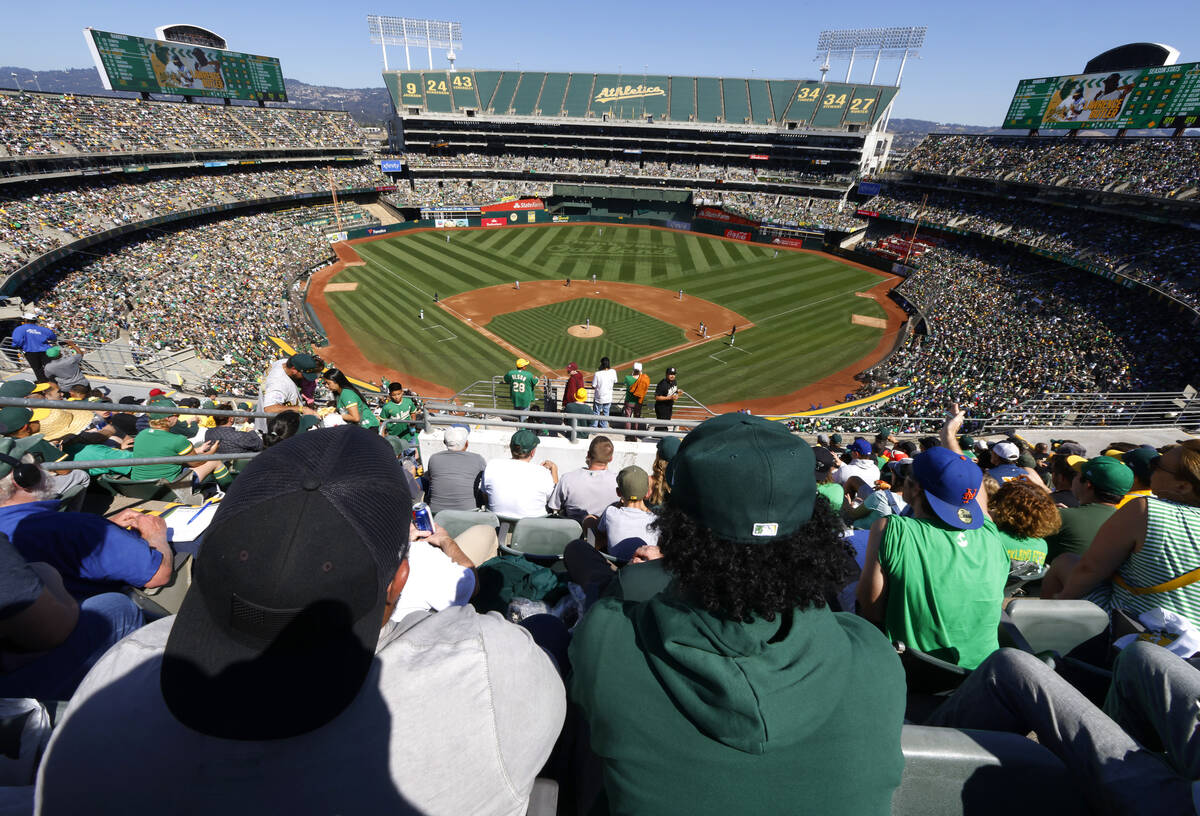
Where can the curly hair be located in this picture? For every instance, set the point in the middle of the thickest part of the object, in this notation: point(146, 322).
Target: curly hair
point(1023, 510)
point(741, 581)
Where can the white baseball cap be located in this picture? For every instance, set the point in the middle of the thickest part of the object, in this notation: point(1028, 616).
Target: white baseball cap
point(637, 366)
point(1007, 451)
point(455, 437)
point(30, 315)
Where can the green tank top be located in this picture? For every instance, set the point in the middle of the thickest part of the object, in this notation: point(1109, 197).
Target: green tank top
point(945, 587)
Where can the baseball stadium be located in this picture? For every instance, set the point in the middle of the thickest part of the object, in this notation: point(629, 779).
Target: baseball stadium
point(771, 331)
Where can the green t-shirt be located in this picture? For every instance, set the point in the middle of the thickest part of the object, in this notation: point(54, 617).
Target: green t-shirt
point(93, 453)
point(834, 492)
point(582, 409)
point(1031, 550)
point(367, 418)
point(396, 411)
point(521, 386)
point(153, 442)
point(738, 717)
point(1079, 527)
point(944, 587)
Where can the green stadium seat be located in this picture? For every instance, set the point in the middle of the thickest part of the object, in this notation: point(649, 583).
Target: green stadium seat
point(683, 99)
point(1056, 626)
point(502, 99)
point(550, 103)
point(760, 102)
point(525, 99)
point(709, 107)
point(737, 101)
point(579, 95)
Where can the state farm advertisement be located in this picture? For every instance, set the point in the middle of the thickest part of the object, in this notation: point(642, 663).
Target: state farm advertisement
point(737, 235)
point(520, 204)
point(494, 222)
point(713, 214)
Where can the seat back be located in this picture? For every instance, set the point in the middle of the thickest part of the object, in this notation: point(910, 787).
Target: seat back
point(952, 772)
point(454, 522)
point(141, 489)
point(543, 537)
point(926, 674)
point(1057, 626)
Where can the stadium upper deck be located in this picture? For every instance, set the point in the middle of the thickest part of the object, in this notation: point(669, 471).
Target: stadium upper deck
point(779, 103)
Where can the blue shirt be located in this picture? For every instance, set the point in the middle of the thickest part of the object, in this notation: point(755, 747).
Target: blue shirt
point(92, 554)
point(32, 337)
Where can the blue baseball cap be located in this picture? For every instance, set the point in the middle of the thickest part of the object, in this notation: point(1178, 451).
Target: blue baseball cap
point(861, 446)
point(951, 482)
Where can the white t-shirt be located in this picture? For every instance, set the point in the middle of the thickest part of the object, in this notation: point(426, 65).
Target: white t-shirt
point(434, 583)
point(864, 469)
point(517, 488)
point(602, 385)
point(457, 714)
point(277, 389)
point(621, 523)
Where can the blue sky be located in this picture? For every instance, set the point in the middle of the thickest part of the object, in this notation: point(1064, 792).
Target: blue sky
point(973, 57)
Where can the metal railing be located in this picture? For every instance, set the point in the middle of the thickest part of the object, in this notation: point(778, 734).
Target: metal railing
point(494, 394)
point(444, 414)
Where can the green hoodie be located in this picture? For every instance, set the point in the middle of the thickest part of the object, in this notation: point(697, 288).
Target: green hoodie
point(692, 713)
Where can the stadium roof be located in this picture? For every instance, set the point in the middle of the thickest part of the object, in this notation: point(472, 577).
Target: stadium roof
point(626, 97)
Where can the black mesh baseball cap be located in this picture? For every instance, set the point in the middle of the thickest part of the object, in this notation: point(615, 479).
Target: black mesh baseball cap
point(278, 630)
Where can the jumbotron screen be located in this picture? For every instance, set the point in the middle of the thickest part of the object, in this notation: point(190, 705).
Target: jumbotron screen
point(1166, 96)
point(129, 63)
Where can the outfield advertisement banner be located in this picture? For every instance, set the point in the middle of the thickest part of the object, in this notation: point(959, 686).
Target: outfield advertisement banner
point(680, 225)
point(738, 235)
point(520, 204)
point(714, 214)
point(792, 242)
point(441, 223)
point(1167, 96)
point(391, 165)
point(494, 222)
point(129, 63)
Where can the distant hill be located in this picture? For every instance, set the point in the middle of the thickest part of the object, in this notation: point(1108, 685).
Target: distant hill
point(368, 106)
point(910, 131)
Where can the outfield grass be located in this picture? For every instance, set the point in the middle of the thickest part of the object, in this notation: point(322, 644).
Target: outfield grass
point(542, 332)
point(801, 303)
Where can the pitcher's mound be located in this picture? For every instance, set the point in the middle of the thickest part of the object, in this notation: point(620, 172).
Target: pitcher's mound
point(585, 331)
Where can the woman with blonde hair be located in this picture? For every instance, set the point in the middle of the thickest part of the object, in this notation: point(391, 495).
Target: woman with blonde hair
point(659, 488)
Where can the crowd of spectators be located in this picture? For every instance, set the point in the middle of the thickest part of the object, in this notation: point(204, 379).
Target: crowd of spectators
point(681, 170)
point(870, 544)
point(796, 211)
point(1004, 326)
point(1142, 166)
point(40, 216)
point(220, 287)
point(1163, 255)
point(426, 192)
point(51, 124)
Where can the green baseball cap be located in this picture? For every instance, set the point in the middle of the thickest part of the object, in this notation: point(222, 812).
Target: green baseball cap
point(836, 439)
point(54, 351)
point(15, 449)
point(524, 439)
point(307, 364)
point(668, 446)
point(745, 478)
point(1138, 460)
point(163, 402)
point(966, 442)
point(16, 388)
point(1107, 475)
point(633, 483)
point(14, 418)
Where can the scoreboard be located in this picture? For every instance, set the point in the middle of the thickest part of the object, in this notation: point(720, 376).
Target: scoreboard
point(138, 64)
point(1166, 96)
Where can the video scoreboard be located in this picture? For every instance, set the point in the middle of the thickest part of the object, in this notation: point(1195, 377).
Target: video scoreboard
point(138, 64)
point(1166, 96)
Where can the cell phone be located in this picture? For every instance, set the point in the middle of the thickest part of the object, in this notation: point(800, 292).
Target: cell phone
point(422, 517)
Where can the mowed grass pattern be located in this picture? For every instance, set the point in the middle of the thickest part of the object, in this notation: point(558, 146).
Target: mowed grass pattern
point(542, 332)
point(800, 302)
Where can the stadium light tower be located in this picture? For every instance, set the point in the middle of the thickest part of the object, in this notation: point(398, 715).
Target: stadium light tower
point(412, 32)
point(848, 43)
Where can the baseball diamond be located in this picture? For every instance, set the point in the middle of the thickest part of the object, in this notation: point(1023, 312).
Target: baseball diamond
point(793, 312)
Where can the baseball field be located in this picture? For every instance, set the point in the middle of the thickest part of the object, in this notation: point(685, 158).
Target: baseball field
point(442, 314)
